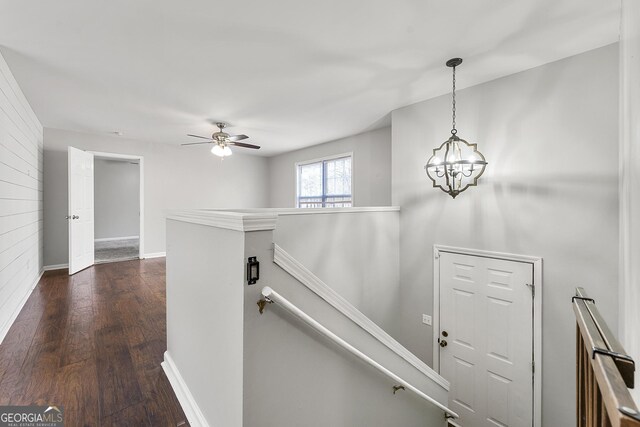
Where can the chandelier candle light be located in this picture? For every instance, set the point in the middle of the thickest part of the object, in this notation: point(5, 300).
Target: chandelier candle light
point(456, 164)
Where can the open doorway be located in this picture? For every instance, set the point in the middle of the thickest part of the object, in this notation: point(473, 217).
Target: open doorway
point(117, 207)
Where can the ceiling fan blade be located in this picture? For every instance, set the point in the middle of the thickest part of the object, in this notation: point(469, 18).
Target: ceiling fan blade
point(198, 143)
point(198, 136)
point(243, 145)
point(234, 138)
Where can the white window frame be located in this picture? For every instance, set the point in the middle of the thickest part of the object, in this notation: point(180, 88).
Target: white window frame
point(322, 159)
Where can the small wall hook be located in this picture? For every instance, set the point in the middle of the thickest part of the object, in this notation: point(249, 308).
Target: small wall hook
point(397, 387)
point(262, 303)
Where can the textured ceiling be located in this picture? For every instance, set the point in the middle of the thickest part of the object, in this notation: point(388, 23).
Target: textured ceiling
point(288, 73)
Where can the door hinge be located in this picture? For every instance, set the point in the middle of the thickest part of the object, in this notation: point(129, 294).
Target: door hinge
point(533, 367)
point(533, 289)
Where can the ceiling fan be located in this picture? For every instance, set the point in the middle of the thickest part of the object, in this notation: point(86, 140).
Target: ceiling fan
point(222, 141)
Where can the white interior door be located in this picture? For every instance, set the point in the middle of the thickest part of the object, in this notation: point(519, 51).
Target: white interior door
point(486, 339)
point(81, 250)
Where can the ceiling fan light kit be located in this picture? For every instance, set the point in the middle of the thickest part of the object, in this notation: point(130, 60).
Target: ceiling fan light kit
point(221, 151)
point(456, 164)
point(222, 141)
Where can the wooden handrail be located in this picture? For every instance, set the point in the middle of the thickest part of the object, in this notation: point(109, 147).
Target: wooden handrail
point(603, 371)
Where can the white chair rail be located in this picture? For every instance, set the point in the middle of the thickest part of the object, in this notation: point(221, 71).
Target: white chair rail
point(272, 296)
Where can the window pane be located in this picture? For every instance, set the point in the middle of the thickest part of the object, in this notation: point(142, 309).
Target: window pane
point(325, 184)
point(338, 177)
point(310, 180)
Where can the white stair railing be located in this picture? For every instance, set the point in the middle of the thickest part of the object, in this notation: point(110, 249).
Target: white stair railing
point(271, 296)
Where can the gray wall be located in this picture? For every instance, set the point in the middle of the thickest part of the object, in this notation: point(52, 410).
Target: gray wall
point(550, 136)
point(249, 369)
point(20, 198)
point(354, 253)
point(293, 376)
point(175, 178)
point(371, 168)
point(116, 198)
point(205, 286)
point(629, 296)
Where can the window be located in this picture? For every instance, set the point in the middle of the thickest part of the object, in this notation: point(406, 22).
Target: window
point(325, 183)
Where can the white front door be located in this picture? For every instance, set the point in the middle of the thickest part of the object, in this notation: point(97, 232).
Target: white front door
point(486, 339)
point(81, 245)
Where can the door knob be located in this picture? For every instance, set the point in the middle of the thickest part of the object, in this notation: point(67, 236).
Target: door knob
point(67, 217)
point(443, 343)
point(75, 217)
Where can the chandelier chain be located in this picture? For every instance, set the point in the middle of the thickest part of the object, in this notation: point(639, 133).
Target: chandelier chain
point(456, 164)
point(453, 102)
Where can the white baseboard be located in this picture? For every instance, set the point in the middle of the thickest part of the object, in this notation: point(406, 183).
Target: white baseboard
point(55, 267)
point(113, 239)
point(188, 403)
point(5, 329)
point(61, 266)
point(155, 255)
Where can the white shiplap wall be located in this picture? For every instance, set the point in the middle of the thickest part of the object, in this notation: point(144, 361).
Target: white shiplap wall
point(21, 153)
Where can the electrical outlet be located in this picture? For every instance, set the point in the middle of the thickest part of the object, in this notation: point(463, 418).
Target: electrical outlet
point(426, 319)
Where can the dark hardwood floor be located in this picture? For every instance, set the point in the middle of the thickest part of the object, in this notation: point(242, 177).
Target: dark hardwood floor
point(93, 343)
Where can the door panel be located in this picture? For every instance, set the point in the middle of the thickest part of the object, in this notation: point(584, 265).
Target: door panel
point(486, 312)
point(81, 220)
point(462, 381)
point(464, 305)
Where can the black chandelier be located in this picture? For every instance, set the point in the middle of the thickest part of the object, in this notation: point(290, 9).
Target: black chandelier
point(456, 165)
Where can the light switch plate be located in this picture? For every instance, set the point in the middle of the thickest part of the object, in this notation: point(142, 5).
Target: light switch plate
point(426, 319)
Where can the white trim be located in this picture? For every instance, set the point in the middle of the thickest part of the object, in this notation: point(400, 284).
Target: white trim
point(536, 262)
point(18, 309)
point(231, 220)
point(316, 211)
point(537, 343)
point(435, 316)
point(55, 267)
point(488, 254)
point(140, 159)
point(104, 155)
point(114, 239)
point(141, 228)
point(322, 159)
point(189, 406)
point(155, 255)
point(317, 286)
point(312, 211)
